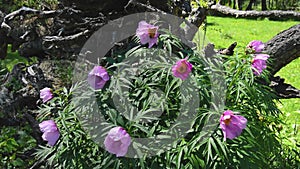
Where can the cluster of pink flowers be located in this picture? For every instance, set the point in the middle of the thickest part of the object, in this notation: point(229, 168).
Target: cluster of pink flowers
point(259, 61)
point(118, 140)
point(48, 127)
point(149, 34)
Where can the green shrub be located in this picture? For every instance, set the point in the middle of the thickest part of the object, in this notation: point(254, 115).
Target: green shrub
point(77, 114)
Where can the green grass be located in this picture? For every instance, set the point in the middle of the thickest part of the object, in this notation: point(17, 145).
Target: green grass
point(291, 107)
point(224, 31)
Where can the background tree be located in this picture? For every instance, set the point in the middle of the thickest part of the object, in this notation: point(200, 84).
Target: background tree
point(264, 5)
point(249, 7)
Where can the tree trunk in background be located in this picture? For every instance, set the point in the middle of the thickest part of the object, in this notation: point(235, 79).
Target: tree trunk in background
point(58, 35)
point(234, 4)
point(238, 4)
point(283, 48)
point(249, 7)
point(229, 3)
point(264, 5)
point(221, 10)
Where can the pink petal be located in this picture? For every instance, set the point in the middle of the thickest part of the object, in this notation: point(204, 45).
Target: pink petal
point(48, 126)
point(234, 126)
point(117, 141)
point(256, 45)
point(98, 77)
point(261, 57)
point(143, 33)
point(51, 137)
point(232, 131)
point(46, 94)
point(239, 121)
point(122, 151)
point(185, 74)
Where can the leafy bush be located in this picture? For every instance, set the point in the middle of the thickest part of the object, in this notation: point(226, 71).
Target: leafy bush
point(16, 145)
point(83, 115)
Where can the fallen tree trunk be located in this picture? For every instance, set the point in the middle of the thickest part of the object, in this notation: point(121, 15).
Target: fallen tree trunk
point(61, 33)
point(283, 48)
point(221, 10)
point(282, 89)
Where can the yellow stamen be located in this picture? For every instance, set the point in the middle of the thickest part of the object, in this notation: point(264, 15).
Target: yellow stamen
point(227, 121)
point(152, 32)
point(182, 68)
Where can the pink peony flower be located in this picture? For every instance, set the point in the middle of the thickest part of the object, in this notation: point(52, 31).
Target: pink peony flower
point(232, 125)
point(46, 94)
point(259, 63)
point(147, 33)
point(117, 141)
point(255, 46)
point(50, 131)
point(182, 69)
point(98, 77)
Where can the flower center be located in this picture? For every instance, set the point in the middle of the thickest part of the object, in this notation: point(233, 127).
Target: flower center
point(151, 32)
point(182, 68)
point(227, 121)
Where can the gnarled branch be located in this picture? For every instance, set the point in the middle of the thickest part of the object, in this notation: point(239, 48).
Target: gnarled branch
point(272, 14)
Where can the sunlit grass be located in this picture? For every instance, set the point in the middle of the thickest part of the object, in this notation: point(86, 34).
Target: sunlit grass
point(291, 107)
point(224, 31)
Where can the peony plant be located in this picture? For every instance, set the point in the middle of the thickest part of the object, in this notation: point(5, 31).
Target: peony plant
point(101, 128)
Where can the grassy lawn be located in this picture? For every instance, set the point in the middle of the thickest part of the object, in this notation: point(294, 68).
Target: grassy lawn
point(224, 31)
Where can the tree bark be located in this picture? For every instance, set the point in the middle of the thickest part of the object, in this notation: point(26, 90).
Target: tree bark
point(61, 33)
point(273, 14)
point(283, 48)
point(249, 7)
point(239, 4)
point(263, 5)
